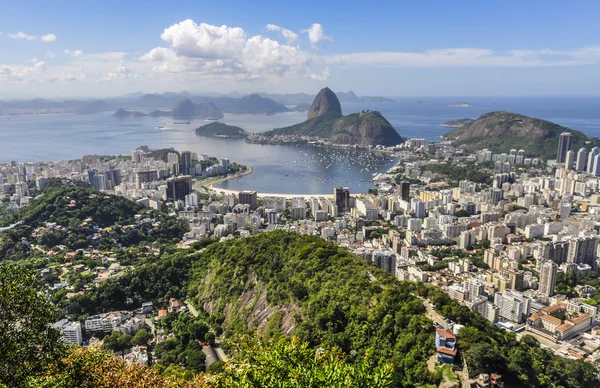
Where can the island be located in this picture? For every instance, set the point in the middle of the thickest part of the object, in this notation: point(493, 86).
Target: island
point(126, 114)
point(217, 129)
point(458, 123)
point(461, 104)
point(503, 131)
point(325, 122)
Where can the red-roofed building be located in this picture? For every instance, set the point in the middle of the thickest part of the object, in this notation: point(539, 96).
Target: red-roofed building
point(445, 342)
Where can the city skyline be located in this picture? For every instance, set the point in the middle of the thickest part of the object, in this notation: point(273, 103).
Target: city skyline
point(467, 49)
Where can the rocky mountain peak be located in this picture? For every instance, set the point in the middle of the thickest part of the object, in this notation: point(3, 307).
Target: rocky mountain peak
point(324, 103)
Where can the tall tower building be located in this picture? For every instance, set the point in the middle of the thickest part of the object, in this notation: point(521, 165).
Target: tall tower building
point(590, 164)
point(581, 159)
point(185, 162)
point(564, 144)
point(548, 275)
point(405, 190)
point(342, 199)
point(248, 197)
point(570, 160)
point(179, 187)
point(596, 165)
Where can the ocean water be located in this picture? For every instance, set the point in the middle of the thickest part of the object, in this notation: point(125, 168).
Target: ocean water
point(277, 169)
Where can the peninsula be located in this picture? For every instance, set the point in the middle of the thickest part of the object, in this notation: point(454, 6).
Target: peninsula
point(325, 122)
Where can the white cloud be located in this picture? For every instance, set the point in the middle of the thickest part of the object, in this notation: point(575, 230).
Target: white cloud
point(50, 54)
point(289, 35)
point(22, 35)
point(48, 38)
point(22, 73)
point(121, 73)
point(75, 53)
point(223, 51)
point(316, 34)
point(469, 57)
point(108, 56)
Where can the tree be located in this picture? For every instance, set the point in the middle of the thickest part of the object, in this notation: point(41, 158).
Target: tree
point(27, 342)
point(117, 341)
point(141, 337)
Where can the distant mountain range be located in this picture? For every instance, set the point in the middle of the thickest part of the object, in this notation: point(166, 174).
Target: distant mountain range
point(186, 109)
point(300, 98)
point(257, 103)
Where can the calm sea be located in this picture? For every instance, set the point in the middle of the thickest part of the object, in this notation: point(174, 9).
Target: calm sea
point(277, 169)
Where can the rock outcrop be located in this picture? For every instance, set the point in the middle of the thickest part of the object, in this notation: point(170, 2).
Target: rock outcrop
point(325, 103)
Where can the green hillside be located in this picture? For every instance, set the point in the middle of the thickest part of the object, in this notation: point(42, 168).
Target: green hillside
point(503, 131)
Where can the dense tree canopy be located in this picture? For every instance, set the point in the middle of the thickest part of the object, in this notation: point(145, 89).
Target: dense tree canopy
point(27, 342)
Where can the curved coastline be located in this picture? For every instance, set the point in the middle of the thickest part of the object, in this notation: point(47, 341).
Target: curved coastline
point(286, 196)
point(217, 190)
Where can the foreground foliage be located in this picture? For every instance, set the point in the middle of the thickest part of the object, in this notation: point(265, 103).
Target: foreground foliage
point(287, 363)
point(27, 343)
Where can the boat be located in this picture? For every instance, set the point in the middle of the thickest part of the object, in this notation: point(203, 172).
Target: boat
point(181, 122)
point(211, 119)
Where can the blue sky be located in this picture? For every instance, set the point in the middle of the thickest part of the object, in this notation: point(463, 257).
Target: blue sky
point(396, 48)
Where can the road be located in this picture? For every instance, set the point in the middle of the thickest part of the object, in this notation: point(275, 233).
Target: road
point(191, 308)
point(222, 356)
point(432, 314)
point(220, 353)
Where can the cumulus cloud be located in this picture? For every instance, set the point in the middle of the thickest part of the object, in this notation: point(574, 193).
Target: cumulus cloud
point(50, 54)
point(316, 34)
point(122, 72)
point(48, 38)
point(289, 35)
point(75, 53)
point(22, 35)
point(223, 51)
point(22, 73)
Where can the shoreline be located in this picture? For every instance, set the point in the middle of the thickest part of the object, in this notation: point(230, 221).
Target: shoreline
point(217, 190)
point(209, 184)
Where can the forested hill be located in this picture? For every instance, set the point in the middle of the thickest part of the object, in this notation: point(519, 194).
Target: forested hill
point(79, 218)
point(503, 131)
point(66, 203)
point(283, 283)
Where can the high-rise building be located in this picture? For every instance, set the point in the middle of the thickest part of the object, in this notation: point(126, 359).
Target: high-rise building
point(145, 176)
point(596, 165)
point(405, 190)
point(272, 216)
point(564, 144)
point(114, 176)
point(185, 162)
point(582, 250)
point(548, 278)
point(179, 187)
point(570, 160)
point(137, 156)
point(173, 162)
point(513, 306)
point(581, 159)
point(71, 331)
point(248, 197)
point(591, 156)
point(342, 199)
